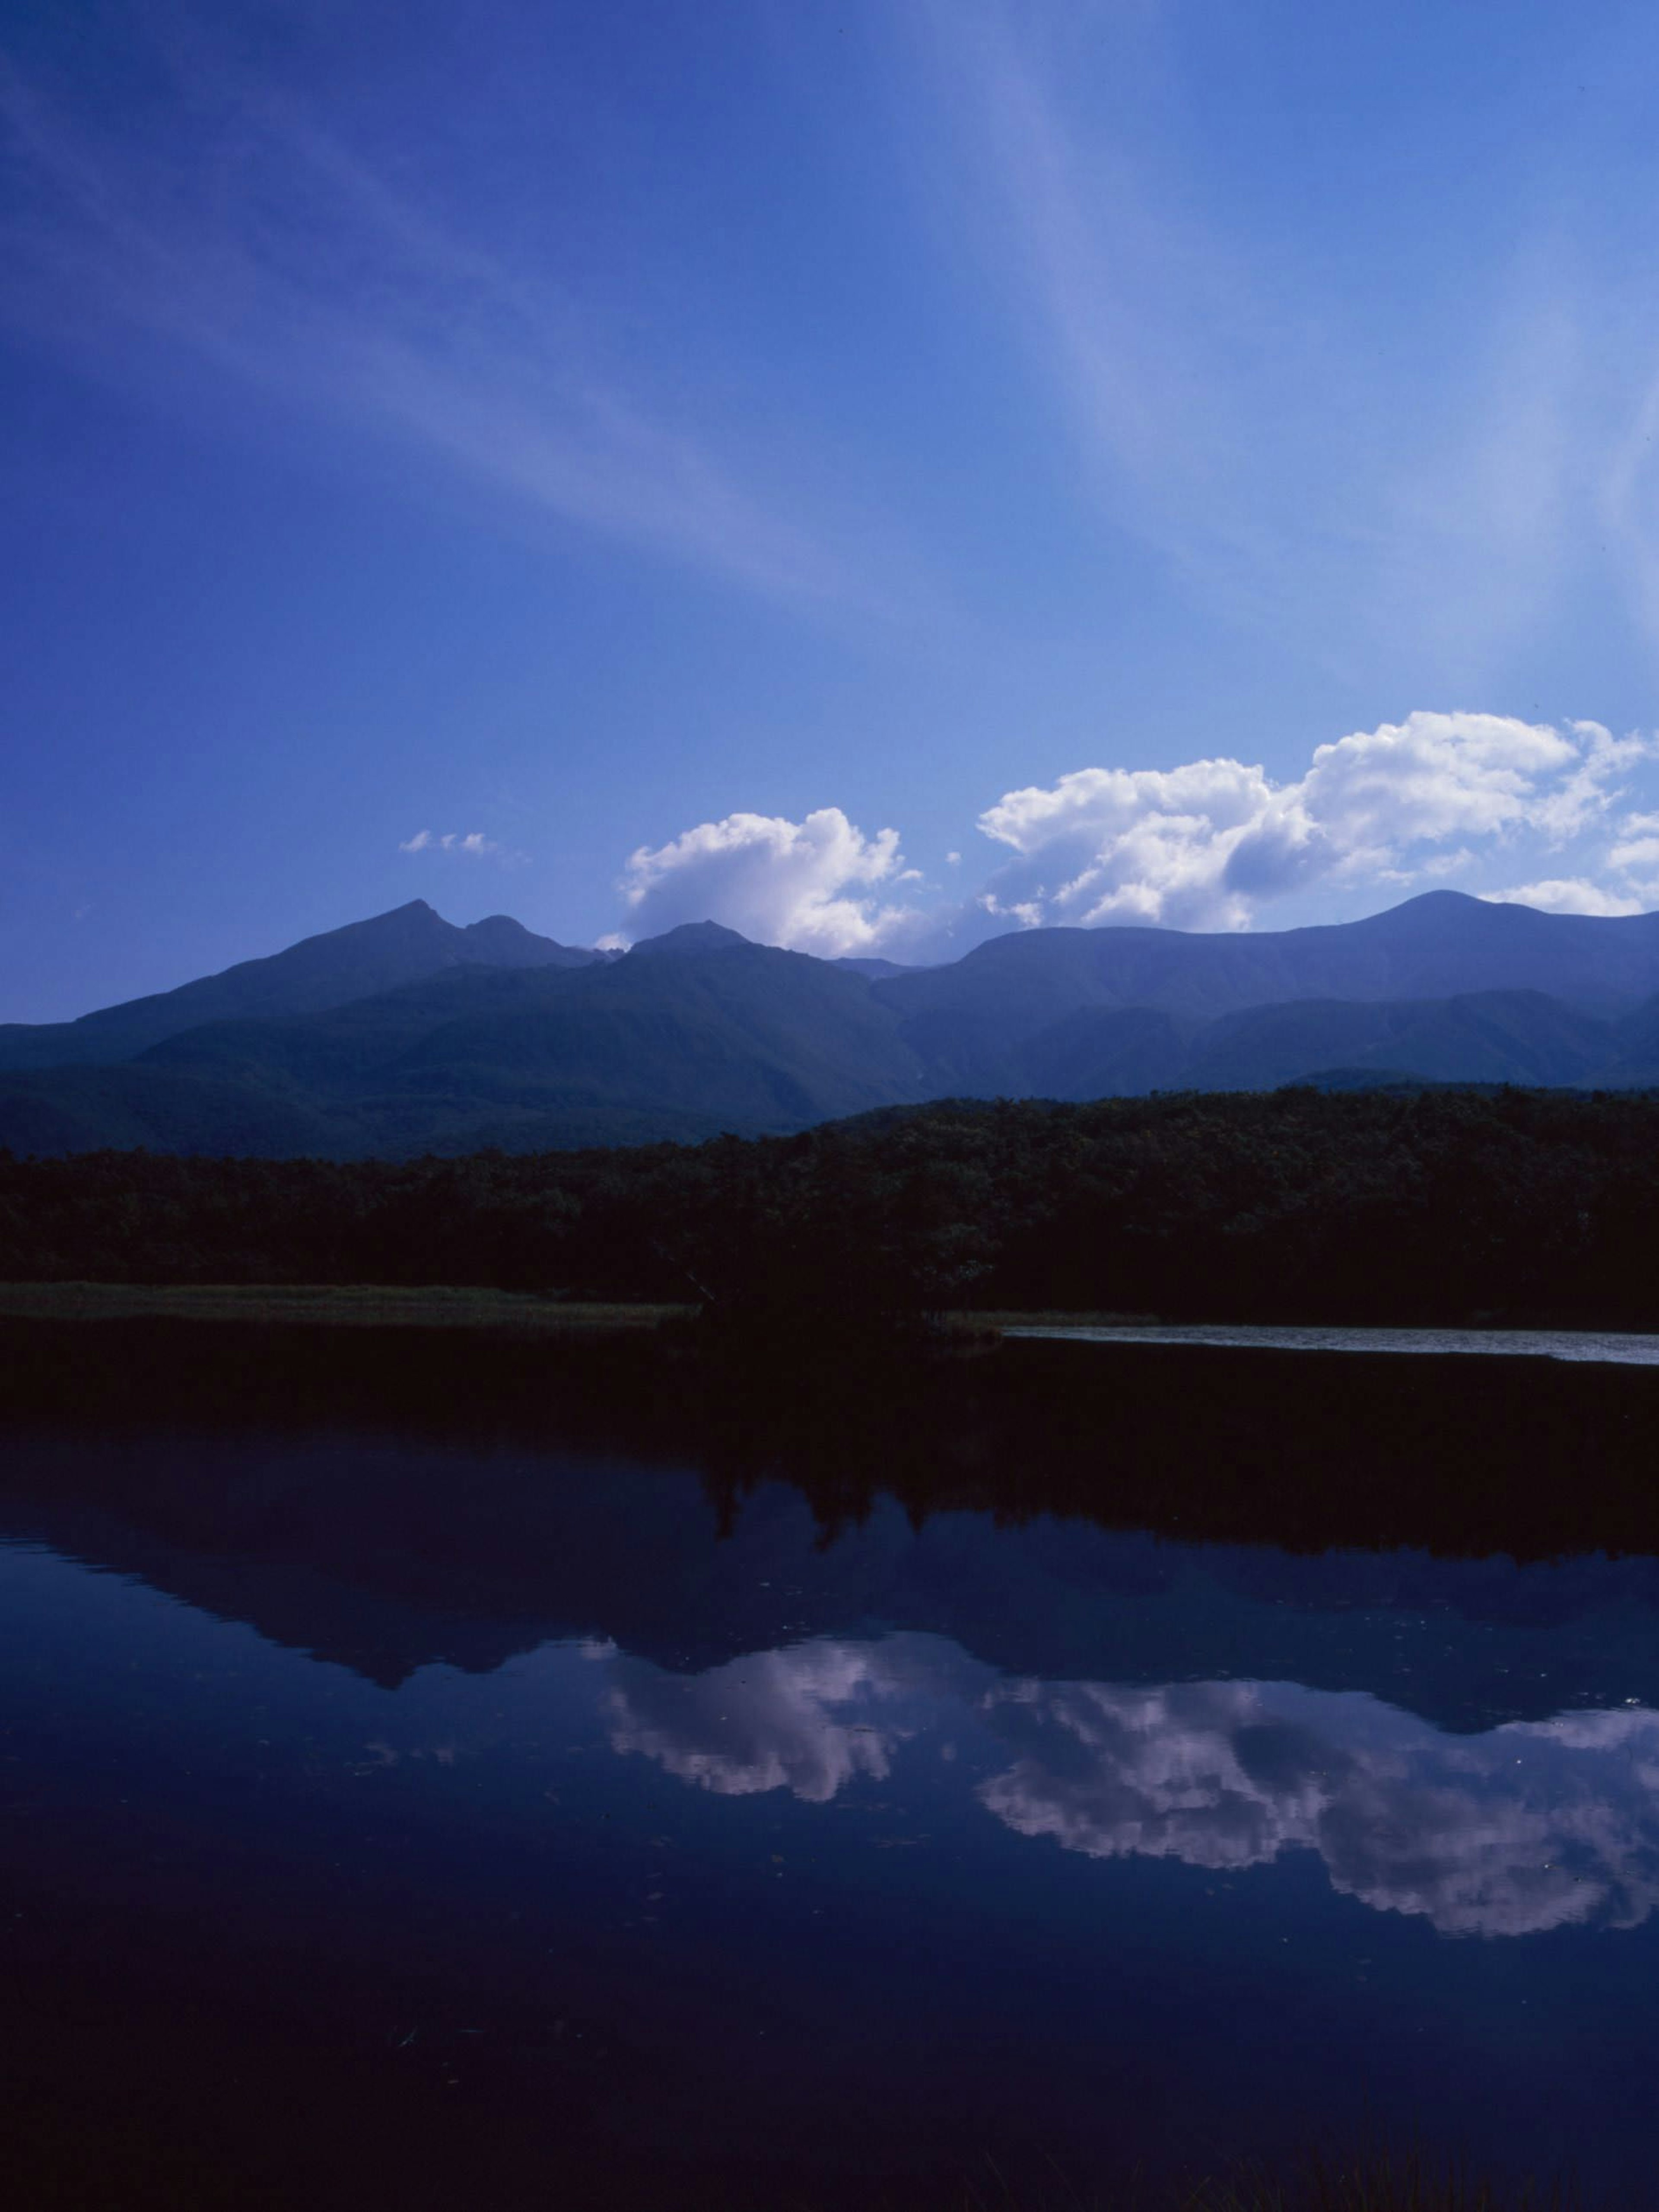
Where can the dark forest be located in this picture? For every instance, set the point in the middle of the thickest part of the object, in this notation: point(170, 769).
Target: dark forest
point(1409, 1204)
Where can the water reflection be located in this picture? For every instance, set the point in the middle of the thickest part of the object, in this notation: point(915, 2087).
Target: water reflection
point(807, 1718)
point(1529, 1826)
point(597, 1788)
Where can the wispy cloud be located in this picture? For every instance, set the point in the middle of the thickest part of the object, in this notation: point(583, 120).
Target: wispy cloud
point(471, 845)
point(1128, 308)
point(233, 226)
point(1629, 484)
point(1183, 371)
point(1315, 453)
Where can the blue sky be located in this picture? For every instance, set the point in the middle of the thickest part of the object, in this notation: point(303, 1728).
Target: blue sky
point(877, 474)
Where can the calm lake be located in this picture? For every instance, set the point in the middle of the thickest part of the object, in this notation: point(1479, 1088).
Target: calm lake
point(1591, 1347)
point(392, 1819)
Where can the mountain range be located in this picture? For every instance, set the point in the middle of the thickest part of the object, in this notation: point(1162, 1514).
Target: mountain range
point(404, 1035)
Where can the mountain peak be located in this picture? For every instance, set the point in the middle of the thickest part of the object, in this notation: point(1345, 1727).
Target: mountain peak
point(499, 941)
point(415, 916)
point(689, 941)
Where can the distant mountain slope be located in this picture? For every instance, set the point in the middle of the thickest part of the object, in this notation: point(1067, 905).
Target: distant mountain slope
point(973, 1017)
point(330, 970)
point(129, 1109)
point(1486, 1036)
point(686, 1036)
point(1636, 1059)
point(1101, 1051)
point(769, 1039)
point(699, 1031)
point(876, 970)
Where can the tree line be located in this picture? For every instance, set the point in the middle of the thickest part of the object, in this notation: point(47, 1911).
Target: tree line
point(1398, 1204)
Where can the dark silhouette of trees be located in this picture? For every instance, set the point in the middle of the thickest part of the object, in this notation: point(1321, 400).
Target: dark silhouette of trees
point(1402, 1205)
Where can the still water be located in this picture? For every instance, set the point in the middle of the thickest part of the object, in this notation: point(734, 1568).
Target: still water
point(398, 1823)
point(1595, 1347)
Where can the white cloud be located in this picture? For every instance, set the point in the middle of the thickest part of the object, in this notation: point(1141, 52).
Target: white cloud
point(1205, 845)
point(472, 843)
point(1131, 845)
point(1566, 894)
point(1202, 846)
point(812, 885)
point(1435, 776)
point(1637, 853)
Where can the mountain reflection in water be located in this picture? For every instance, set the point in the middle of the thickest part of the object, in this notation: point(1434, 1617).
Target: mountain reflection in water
point(533, 1808)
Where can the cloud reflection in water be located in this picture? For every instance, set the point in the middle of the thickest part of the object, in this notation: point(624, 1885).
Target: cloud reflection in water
point(807, 1717)
point(1525, 1827)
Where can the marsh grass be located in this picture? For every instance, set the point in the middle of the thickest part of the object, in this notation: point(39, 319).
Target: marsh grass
point(366, 1305)
point(392, 1305)
point(1051, 1317)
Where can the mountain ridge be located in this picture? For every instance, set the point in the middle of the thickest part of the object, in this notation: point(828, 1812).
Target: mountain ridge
point(1437, 945)
point(492, 1036)
point(330, 969)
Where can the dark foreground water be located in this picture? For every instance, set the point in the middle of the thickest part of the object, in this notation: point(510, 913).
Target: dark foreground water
point(389, 1820)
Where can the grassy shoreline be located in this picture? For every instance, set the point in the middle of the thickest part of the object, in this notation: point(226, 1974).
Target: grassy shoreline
point(490, 1312)
point(327, 1305)
point(374, 1305)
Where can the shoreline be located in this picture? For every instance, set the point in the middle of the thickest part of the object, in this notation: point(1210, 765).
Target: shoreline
point(1604, 1348)
point(331, 1305)
point(489, 1312)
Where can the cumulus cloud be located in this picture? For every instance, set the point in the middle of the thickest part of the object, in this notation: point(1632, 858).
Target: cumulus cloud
point(1147, 845)
point(472, 843)
point(814, 885)
point(1203, 845)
